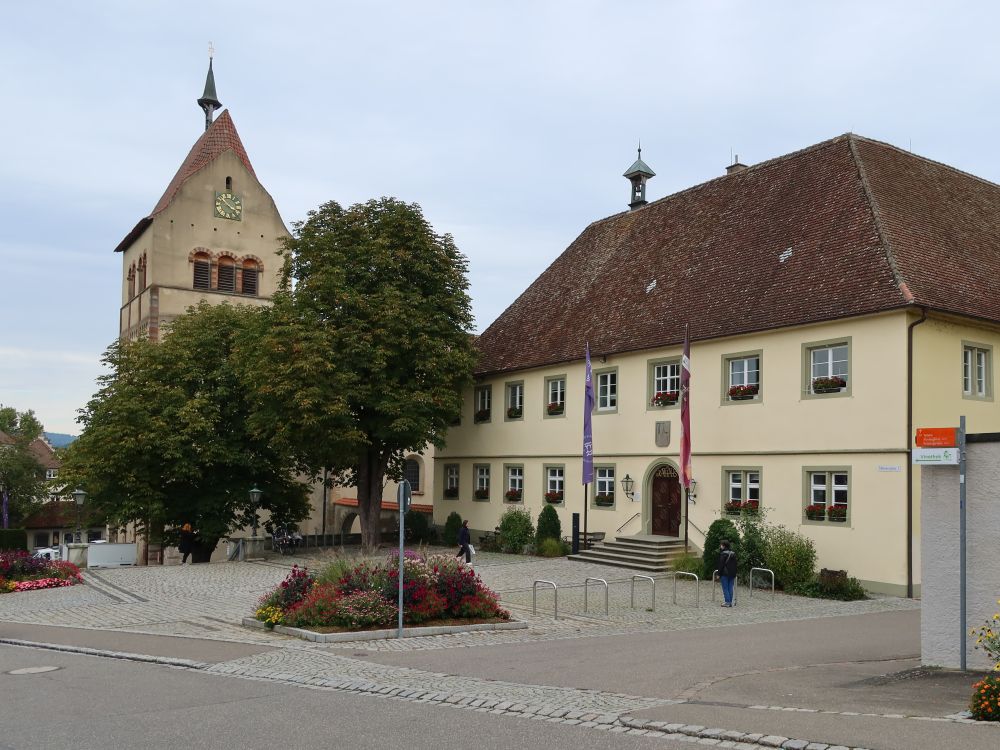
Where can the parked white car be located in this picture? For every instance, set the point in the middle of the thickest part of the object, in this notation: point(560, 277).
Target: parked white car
point(47, 553)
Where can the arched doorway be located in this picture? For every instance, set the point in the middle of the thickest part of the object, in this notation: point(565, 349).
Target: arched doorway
point(665, 501)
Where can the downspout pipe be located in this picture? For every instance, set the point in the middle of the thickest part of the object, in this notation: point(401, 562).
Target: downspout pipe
point(909, 452)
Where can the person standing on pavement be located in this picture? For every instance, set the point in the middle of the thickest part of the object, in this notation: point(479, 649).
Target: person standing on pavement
point(186, 544)
point(727, 571)
point(465, 539)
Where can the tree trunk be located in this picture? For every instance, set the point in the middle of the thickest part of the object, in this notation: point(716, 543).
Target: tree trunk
point(371, 472)
point(203, 549)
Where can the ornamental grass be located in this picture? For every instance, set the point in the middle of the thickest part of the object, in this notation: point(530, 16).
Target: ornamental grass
point(364, 596)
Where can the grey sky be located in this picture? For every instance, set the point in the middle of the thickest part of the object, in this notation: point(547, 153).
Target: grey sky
point(509, 122)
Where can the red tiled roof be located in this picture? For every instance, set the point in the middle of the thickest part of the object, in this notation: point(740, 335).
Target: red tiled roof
point(870, 228)
point(220, 137)
point(54, 514)
point(44, 454)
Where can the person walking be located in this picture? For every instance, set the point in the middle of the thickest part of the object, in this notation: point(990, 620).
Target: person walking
point(186, 544)
point(727, 571)
point(465, 540)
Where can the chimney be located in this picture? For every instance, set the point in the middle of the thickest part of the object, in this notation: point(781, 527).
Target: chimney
point(736, 166)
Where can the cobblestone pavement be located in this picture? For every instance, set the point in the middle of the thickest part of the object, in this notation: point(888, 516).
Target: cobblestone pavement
point(209, 601)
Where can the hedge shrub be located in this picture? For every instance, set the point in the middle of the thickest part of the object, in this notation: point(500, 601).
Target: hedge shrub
point(549, 526)
point(418, 527)
point(792, 557)
point(451, 526)
point(516, 530)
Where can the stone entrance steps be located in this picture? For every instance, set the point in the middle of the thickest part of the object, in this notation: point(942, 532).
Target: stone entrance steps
point(650, 554)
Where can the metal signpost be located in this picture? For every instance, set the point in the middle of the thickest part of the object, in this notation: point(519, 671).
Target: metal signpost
point(403, 503)
point(945, 446)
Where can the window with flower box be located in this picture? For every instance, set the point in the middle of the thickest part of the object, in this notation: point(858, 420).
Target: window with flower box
point(977, 371)
point(482, 488)
point(741, 489)
point(827, 495)
point(741, 378)
point(451, 481)
point(607, 390)
point(555, 484)
point(515, 483)
point(555, 396)
point(664, 383)
point(483, 401)
point(604, 486)
point(515, 401)
point(827, 368)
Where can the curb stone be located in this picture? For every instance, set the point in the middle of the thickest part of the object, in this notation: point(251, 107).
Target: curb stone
point(722, 737)
point(124, 655)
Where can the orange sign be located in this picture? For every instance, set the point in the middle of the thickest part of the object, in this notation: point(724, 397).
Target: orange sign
point(937, 437)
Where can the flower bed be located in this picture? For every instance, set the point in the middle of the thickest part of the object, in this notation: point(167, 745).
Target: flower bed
point(19, 571)
point(437, 590)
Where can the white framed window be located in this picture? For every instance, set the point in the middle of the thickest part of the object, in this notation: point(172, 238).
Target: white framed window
point(515, 484)
point(741, 377)
point(829, 495)
point(664, 383)
point(829, 368)
point(604, 485)
point(515, 401)
point(483, 400)
point(741, 490)
point(976, 371)
point(451, 476)
point(482, 490)
point(555, 396)
point(607, 390)
point(51, 473)
point(555, 483)
point(744, 371)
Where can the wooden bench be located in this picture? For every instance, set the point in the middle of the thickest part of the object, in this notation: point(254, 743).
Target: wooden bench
point(587, 540)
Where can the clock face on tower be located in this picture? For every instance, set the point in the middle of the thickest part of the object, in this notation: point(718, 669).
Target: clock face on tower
point(228, 206)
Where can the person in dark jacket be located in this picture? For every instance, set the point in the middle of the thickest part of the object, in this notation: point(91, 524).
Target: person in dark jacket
point(465, 539)
point(186, 544)
point(727, 571)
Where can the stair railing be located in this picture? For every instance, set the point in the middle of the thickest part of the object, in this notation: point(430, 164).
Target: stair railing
point(634, 516)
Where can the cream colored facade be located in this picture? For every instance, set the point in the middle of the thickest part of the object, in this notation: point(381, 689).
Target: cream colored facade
point(187, 226)
point(783, 435)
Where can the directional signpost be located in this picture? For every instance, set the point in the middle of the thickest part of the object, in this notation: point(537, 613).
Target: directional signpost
point(945, 446)
point(403, 496)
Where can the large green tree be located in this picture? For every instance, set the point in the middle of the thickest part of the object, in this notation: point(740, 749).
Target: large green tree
point(166, 441)
point(370, 345)
point(22, 478)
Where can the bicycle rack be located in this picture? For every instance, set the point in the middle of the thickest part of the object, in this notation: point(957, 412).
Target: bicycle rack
point(555, 598)
point(736, 585)
point(652, 590)
point(761, 570)
point(697, 586)
point(586, 588)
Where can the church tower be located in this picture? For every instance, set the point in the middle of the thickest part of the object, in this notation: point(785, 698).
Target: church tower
point(213, 235)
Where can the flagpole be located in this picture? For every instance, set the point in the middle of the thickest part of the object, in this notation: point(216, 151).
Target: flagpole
point(685, 451)
point(588, 439)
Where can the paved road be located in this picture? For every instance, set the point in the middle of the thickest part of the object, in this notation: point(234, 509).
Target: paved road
point(100, 704)
point(772, 665)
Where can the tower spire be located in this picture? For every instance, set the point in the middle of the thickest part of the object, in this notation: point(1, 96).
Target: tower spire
point(637, 174)
point(209, 101)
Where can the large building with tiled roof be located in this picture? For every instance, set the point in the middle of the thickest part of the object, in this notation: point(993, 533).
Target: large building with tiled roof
point(213, 234)
point(837, 298)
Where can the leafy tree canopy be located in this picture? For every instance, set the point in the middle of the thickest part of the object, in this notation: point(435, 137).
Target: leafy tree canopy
point(166, 441)
point(370, 345)
point(22, 478)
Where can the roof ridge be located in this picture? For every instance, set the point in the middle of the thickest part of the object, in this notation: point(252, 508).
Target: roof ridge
point(701, 185)
point(926, 159)
point(883, 235)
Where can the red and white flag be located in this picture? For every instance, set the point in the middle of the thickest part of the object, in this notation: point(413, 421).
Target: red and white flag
point(686, 412)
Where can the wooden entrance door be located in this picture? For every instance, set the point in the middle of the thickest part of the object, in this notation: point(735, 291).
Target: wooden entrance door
point(666, 502)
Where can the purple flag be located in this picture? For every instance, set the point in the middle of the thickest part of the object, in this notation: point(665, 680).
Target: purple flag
point(588, 433)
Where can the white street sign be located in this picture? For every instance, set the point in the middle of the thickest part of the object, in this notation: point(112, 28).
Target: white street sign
point(936, 456)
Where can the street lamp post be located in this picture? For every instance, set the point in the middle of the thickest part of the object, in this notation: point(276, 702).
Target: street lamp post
point(255, 495)
point(79, 496)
